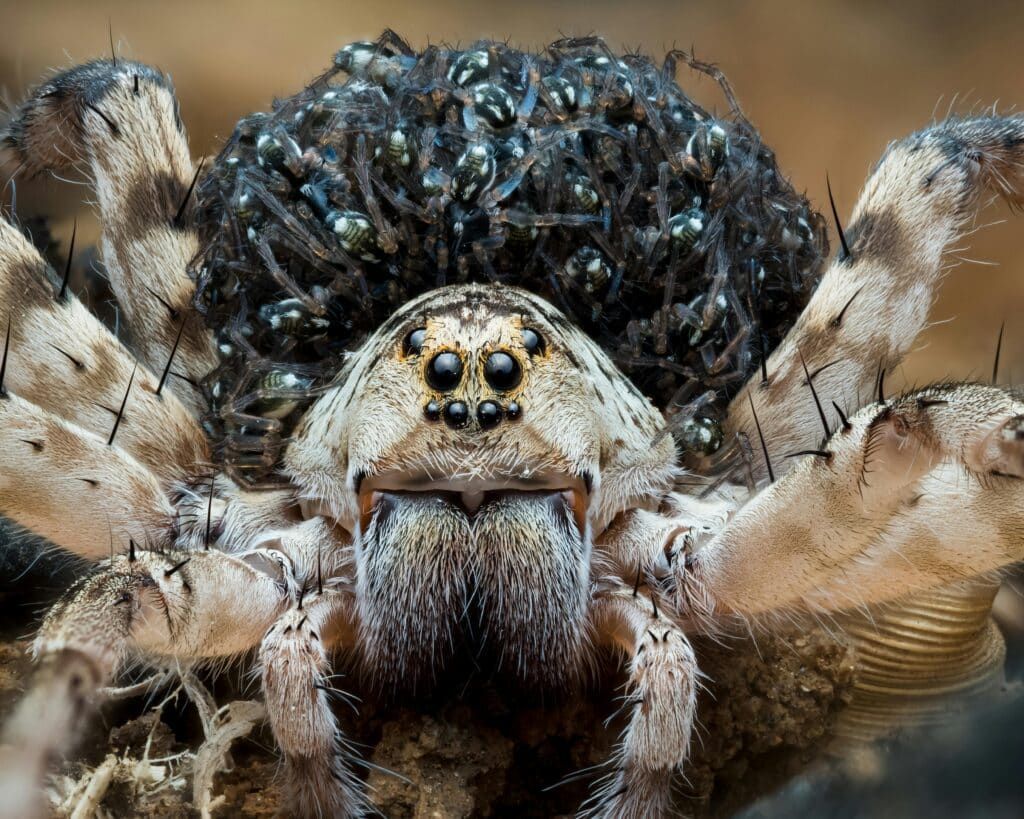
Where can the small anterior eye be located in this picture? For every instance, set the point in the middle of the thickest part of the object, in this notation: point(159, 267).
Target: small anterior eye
point(456, 414)
point(488, 414)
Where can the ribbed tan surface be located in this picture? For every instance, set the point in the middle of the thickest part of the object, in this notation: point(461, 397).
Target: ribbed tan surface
point(921, 659)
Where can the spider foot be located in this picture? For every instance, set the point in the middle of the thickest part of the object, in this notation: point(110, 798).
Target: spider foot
point(660, 696)
point(317, 777)
point(48, 129)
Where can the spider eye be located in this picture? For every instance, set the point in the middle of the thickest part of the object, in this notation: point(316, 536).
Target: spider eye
point(502, 371)
point(533, 341)
point(456, 414)
point(413, 343)
point(444, 372)
point(488, 414)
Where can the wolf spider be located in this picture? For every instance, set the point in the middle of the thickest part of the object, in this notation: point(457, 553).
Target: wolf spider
point(478, 448)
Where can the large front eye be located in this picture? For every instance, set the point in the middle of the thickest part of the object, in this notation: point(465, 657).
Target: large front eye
point(502, 371)
point(444, 372)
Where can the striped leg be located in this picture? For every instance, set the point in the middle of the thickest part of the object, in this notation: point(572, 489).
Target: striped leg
point(66, 484)
point(909, 495)
point(661, 698)
point(295, 669)
point(63, 360)
point(120, 120)
point(872, 303)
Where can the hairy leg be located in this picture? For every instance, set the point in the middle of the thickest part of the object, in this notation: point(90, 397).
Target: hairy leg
point(61, 358)
point(120, 121)
point(871, 304)
point(661, 697)
point(185, 606)
point(910, 495)
point(635, 540)
point(69, 486)
point(295, 668)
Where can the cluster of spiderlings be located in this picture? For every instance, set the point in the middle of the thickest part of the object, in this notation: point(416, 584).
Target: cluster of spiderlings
point(665, 233)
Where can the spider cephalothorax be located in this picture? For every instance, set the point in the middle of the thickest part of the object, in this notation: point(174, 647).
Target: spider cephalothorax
point(465, 460)
point(476, 439)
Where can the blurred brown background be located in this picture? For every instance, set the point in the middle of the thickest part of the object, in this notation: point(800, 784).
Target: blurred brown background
point(829, 83)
